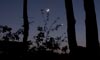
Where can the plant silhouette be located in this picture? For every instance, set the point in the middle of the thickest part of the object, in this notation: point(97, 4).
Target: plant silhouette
point(43, 39)
point(47, 45)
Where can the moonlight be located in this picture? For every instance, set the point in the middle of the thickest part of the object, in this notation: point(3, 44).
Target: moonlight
point(47, 10)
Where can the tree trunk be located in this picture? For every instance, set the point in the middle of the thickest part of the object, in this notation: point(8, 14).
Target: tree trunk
point(92, 41)
point(71, 25)
point(25, 25)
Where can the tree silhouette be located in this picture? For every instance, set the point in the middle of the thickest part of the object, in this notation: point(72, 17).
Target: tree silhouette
point(46, 43)
point(71, 25)
point(26, 23)
point(92, 41)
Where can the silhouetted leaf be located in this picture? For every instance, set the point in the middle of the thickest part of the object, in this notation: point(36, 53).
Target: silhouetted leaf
point(40, 29)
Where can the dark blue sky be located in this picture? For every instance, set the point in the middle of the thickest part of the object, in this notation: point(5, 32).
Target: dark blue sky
point(11, 13)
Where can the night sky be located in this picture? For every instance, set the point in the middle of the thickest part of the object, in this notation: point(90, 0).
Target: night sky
point(11, 13)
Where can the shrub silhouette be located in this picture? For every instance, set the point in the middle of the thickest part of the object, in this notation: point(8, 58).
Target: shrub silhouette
point(43, 39)
point(8, 35)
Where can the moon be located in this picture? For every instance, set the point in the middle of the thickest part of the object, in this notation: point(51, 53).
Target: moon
point(47, 10)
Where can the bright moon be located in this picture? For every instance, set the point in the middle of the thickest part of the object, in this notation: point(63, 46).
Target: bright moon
point(47, 10)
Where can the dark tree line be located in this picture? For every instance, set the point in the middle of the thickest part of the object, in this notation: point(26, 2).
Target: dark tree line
point(92, 41)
